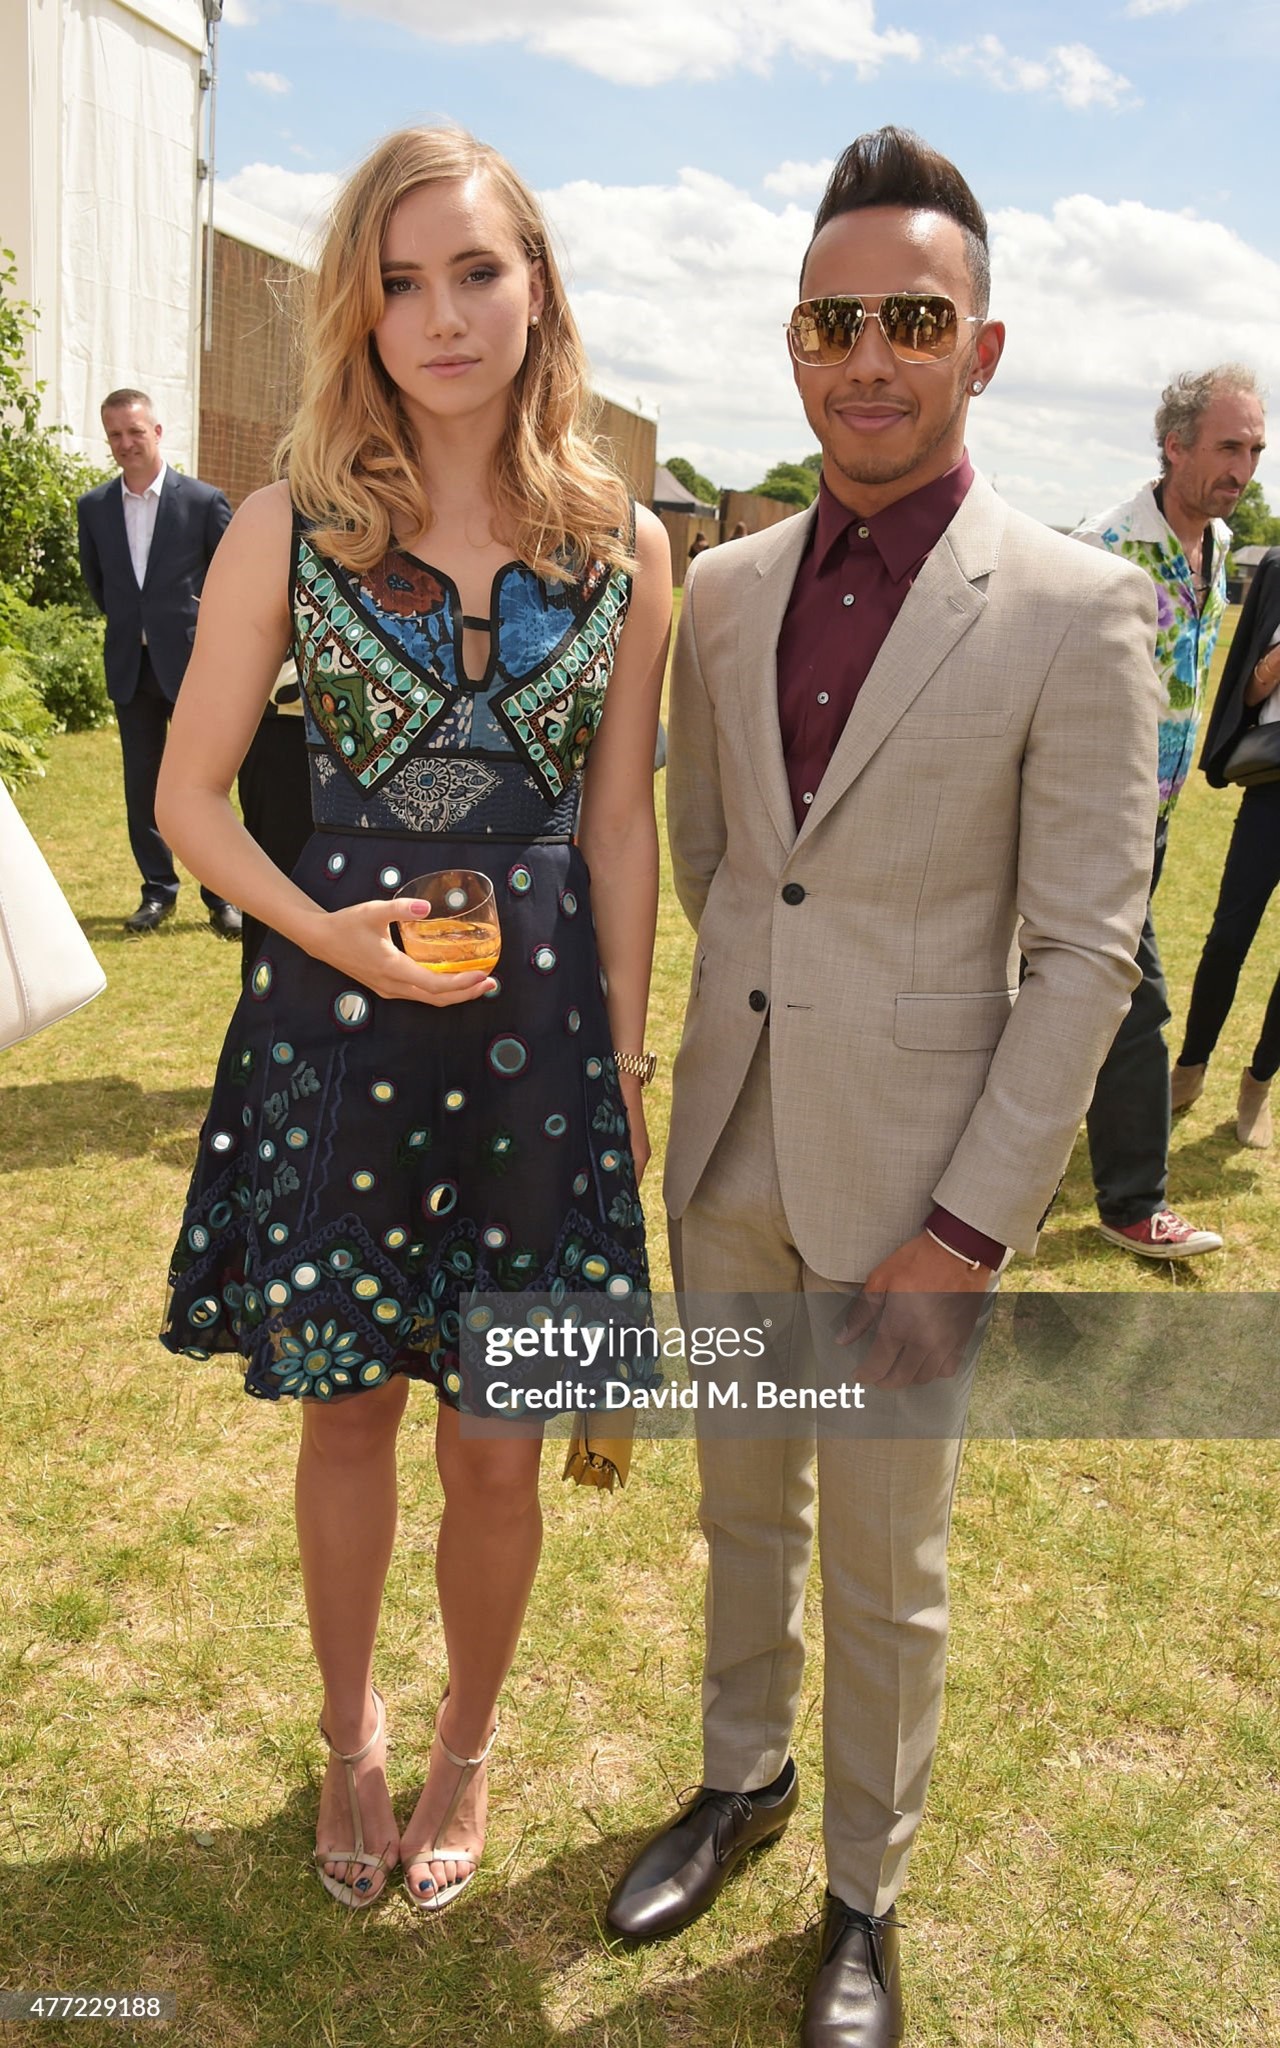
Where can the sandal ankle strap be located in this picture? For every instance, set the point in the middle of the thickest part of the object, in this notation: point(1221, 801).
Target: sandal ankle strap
point(357, 1756)
point(463, 1763)
point(467, 1763)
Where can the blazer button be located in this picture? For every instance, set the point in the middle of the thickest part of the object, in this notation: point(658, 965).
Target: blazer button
point(793, 893)
point(758, 999)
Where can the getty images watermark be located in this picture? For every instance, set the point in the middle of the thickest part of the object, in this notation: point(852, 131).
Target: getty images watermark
point(608, 1367)
point(1159, 1365)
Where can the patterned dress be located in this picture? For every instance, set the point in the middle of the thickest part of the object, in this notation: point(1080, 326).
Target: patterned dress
point(367, 1167)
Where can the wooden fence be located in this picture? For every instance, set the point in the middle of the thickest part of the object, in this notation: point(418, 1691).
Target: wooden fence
point(754, 512)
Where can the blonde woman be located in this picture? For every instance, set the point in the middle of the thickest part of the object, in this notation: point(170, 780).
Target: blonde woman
point(480, 628)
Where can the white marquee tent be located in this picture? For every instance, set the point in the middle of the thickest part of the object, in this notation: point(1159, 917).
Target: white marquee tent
point(102, 106)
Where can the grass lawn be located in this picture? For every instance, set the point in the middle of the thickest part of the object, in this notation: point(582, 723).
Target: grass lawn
point(1100, 1863)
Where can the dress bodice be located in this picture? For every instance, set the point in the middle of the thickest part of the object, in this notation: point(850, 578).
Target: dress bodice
point(401, 741)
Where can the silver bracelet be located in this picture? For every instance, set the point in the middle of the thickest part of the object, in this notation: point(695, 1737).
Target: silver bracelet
point(972, 1264)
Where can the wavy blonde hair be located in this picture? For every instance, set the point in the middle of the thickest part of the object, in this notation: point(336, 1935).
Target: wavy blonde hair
point(351, 455)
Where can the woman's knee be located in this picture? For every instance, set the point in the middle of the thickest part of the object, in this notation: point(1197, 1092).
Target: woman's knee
point(355, 1426)
point(498, 1473)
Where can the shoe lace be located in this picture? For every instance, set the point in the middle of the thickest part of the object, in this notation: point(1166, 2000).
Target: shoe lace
point(848, 1919)
point(734, 1807)
point(1165, 1224)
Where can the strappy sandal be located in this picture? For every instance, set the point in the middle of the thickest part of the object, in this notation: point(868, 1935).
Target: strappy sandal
point(444, 1895)
point(346, 1894)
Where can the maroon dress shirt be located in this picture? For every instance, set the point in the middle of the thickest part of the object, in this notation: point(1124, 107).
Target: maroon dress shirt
point(851, 585)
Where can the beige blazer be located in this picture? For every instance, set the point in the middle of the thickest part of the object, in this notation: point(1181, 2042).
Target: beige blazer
point(999, 765)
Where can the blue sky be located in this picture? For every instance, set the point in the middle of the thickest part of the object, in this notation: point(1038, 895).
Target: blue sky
point(680, 147)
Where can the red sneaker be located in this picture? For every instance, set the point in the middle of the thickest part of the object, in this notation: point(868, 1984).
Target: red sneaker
point(1166, 1235)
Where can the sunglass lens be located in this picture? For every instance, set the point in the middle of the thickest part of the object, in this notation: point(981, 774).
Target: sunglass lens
point(919, 328)
point(823, 331)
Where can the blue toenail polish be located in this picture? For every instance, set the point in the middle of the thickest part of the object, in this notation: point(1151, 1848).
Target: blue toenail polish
point(363, 1883)
point(426, 1884)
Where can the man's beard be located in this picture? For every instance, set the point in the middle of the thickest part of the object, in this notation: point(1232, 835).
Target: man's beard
point(876, 468)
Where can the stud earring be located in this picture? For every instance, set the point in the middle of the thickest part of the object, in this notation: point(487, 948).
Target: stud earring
point(534, 321)
point(976, 386)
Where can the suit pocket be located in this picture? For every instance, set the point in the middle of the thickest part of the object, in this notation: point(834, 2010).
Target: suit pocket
point(951, 1023)
point(984, 722)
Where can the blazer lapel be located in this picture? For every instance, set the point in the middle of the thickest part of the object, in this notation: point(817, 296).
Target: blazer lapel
point(763, 606)
point(114, 530)
point(941, 605)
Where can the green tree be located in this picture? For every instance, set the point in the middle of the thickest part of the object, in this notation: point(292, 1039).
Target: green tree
point(791, 483)
point(40, 479)
point(1252, 523)
point(693, 480)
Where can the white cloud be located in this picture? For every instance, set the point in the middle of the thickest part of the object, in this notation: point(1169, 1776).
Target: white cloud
point(301, 198)
point(682, 290)
point(1071, 72)
point(1081, 79)
point(800, 181)
point(1142, 7)
point(237, 14)
point(650, 42)
point(269, 81)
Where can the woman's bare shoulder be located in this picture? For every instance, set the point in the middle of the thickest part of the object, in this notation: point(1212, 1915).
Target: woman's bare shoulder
point(267, 513)
point(653, 549)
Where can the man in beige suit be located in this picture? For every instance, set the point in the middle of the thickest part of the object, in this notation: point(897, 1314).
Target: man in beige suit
point(912, 732)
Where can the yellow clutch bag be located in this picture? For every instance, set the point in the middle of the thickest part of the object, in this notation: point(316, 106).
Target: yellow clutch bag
point(597, 1458)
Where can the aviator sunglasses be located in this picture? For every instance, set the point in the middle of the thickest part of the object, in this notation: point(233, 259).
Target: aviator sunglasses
point(920, 327)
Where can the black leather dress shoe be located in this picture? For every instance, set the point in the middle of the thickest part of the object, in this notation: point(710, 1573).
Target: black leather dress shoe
point(685, 1866)
point(855, 2000)
point(150, 914)
point(226, 921)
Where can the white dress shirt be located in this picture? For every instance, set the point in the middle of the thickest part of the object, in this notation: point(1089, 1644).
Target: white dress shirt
point(140, 509)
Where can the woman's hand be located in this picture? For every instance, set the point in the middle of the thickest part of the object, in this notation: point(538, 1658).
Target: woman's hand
point(357, 941)
point(1265, 676)
point(633, 1102)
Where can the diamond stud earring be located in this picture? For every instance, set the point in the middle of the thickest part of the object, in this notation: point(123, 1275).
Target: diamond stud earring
point(976, 386)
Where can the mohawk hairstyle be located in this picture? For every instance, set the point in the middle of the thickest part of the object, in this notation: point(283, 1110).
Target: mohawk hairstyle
point(893, 167)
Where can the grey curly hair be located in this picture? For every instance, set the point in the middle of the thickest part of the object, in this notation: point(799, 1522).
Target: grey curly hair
point(1184, 403)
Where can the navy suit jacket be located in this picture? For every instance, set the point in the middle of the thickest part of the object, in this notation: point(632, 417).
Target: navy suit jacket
point(190, 521)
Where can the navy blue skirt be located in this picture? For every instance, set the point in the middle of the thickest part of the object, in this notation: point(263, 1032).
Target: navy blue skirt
point(368, 1166)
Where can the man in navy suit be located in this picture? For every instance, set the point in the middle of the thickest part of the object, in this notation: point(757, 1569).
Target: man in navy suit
point(146, 542)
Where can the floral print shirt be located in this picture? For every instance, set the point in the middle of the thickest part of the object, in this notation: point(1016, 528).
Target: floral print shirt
point(1186, 632)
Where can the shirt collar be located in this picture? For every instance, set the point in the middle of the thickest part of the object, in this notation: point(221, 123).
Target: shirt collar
point(153, 489)
point(904, 533)
point(1143, 520)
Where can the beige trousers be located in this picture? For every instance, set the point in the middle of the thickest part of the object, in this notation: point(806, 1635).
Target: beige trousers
point(885, 1516)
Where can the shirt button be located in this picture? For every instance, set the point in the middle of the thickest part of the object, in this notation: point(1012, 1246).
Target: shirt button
point(864, 533)
point(824, 697)
point(807, 798)
point(848, 597)
point(758, 999)
point(793, 893)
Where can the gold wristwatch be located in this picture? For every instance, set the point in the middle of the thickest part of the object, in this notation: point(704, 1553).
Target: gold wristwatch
point(644, 1065)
